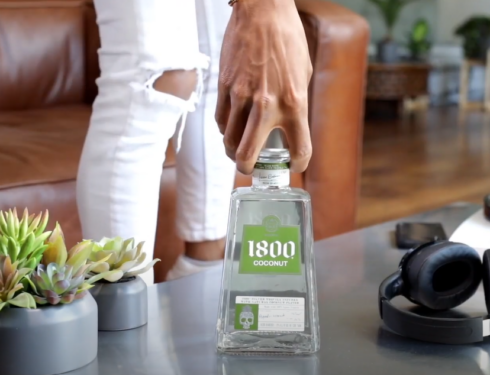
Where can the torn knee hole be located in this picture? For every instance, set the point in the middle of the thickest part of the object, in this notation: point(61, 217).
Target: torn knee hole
point(179, 83)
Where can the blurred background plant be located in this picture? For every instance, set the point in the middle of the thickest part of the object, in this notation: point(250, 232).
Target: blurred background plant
point(475, 33)
point(390, 10)
point(418, 43)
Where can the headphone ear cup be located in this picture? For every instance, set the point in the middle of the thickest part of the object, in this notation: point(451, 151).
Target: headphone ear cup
point(443, 275)
point(486, 277)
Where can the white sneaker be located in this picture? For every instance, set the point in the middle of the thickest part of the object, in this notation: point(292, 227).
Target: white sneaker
point(185, 266)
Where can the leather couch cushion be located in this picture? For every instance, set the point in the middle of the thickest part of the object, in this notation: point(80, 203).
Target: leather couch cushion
point(39, 155)
point(44, 145)
point(42, 44)
point(41, 146)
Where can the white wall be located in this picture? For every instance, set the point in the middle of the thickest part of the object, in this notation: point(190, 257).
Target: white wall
point(425, 8)
point(443, 15)
point(452, 13)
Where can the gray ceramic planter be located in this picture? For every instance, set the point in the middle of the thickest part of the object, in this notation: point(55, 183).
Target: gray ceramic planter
point(387, 52)
point(122, 305)
point(48, 340)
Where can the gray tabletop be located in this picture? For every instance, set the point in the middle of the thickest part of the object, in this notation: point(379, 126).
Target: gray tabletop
point(179, 338)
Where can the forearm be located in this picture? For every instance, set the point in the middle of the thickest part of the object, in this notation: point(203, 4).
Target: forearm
point(262, 6)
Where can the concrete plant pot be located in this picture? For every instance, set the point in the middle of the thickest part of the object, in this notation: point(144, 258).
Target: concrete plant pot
point(122, 305)
point(387, 52)
point(48, 340)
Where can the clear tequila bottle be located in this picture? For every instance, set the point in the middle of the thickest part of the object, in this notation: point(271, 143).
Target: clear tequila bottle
point(268, 301)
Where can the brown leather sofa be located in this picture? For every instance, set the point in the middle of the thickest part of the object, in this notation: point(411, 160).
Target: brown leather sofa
point(48, 67)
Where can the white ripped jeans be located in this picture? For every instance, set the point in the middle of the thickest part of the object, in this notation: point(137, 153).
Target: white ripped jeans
point(120, 169)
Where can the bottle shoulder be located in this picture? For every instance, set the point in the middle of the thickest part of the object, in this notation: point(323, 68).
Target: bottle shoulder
point(250, 193)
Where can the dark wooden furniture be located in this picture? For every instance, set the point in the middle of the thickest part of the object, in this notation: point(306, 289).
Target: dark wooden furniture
point(389, 85)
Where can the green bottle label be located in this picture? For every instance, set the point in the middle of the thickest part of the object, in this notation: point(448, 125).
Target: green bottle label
point(270, 248)
point(271, 166)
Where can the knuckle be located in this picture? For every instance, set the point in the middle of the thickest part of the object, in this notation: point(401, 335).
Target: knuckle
point(295, 100)
point(219, 118)
point(298, 97)
point(264, 101)
point(243, 169)
point(245, 154)
point(229, 143)
point(240, 92)
point(225, 78)
point(303, 152)
point(230, 154)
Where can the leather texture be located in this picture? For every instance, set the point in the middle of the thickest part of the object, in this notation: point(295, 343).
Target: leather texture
point(338, 41)
point(48, 68)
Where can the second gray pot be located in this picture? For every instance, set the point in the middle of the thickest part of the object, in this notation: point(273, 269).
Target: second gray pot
point(122, 305)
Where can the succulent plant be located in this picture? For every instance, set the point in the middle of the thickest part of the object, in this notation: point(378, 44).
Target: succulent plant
point(123, 258)
point(10, 285)
point(23, 240)
point(62, 276)
point(57, 284)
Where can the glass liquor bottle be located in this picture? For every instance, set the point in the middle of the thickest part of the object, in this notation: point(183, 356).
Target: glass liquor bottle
point(268, 300)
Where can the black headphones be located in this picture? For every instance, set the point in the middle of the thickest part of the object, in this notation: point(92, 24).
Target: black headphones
point(437, 275)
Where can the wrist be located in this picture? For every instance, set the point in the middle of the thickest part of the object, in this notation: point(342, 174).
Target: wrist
point(262, 4)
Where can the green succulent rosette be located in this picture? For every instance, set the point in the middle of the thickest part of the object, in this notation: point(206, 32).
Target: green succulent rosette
point(122, 258)
point(11, 286)
point(23, 240)
point(64, 276)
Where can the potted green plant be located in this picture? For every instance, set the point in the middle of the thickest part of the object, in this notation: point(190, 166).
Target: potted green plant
point(121, 294)
point(23, 240)
point(390, 10)
point(48, 321)
point(418, 43)
point(475, 32)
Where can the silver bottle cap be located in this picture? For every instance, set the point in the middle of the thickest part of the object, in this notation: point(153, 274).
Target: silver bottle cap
point(276, 140)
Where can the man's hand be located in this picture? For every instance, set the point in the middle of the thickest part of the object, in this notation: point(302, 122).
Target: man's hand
point(265, 70)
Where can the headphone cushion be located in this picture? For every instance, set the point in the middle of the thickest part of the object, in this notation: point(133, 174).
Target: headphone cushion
point(486, 277)
point(443, 275)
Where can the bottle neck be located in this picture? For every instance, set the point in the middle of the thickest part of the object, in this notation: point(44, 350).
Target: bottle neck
point(272, 169)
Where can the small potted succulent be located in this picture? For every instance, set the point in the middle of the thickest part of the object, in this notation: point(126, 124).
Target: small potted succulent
point(48, 321)
point(121, 294)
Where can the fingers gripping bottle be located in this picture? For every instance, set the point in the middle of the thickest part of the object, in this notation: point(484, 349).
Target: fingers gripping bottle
point(268, 300)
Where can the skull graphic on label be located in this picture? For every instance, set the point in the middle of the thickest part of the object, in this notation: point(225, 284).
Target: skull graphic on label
point(246, 317)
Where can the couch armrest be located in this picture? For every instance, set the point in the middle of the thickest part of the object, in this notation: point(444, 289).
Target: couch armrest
point(338, 41)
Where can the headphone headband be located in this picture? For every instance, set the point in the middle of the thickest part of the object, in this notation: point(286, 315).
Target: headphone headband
point(439, 330)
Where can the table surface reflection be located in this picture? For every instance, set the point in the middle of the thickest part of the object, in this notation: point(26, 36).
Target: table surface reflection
point(180, 336)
